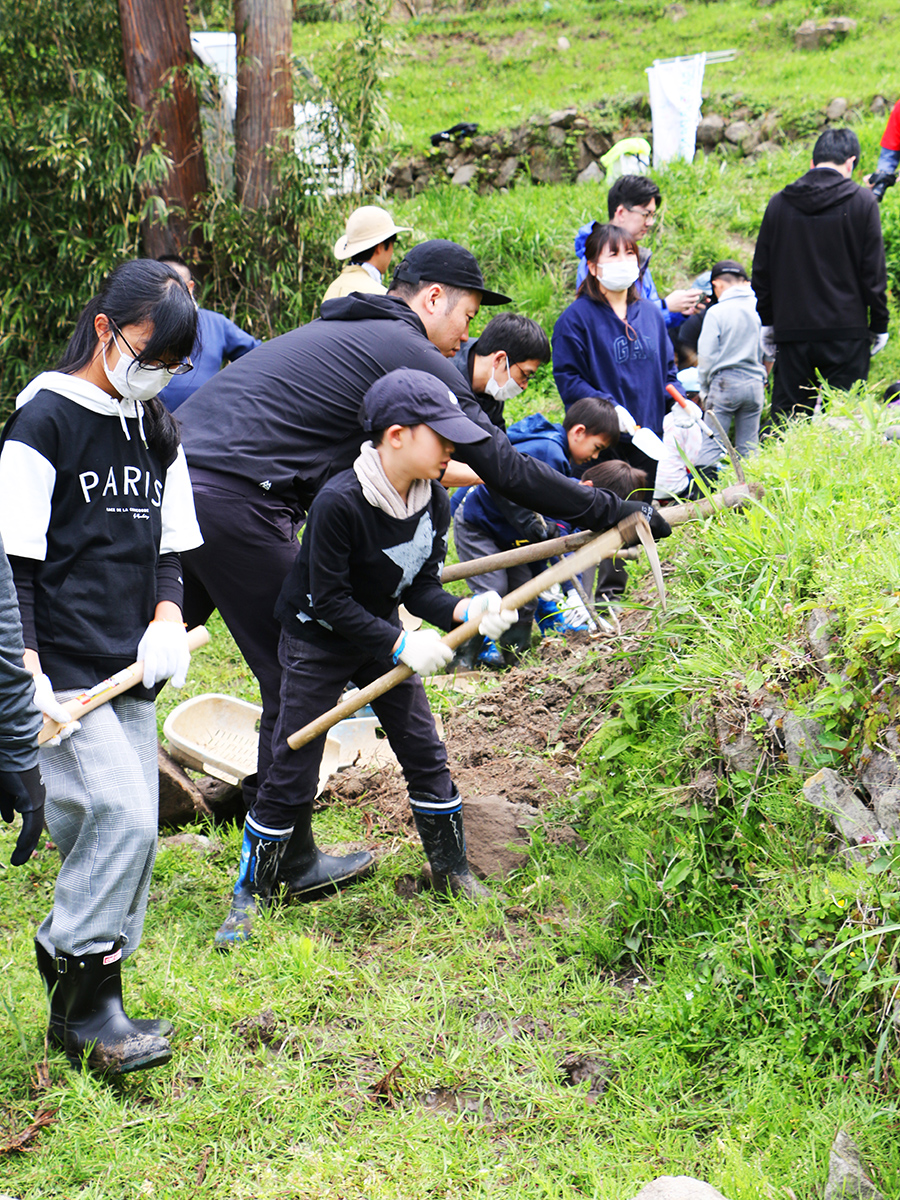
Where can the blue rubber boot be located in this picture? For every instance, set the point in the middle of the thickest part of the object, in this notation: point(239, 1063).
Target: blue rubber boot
point(549, 618)
point(491, 656)
point(261, 854)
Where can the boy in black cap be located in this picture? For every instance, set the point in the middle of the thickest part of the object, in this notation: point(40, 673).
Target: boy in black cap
point(730, 361)
point(376, 536)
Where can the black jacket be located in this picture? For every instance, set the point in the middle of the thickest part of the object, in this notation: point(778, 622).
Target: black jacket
point(819, 271)
point(357, 563)
point(285, 416)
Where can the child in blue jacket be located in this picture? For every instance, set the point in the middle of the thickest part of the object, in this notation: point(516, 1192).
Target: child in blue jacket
point(486, 523)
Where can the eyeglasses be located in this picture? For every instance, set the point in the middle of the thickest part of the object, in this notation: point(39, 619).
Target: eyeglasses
point(155, 364)
point(525, 377)
point(648, 215)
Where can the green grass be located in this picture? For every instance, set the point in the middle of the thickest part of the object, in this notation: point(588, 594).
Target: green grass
point(496, 64)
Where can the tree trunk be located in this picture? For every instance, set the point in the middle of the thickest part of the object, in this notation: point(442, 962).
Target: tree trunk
point(156, 39)
point(265, 100)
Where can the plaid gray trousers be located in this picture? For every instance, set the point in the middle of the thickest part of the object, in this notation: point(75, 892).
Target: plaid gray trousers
point(102, 812)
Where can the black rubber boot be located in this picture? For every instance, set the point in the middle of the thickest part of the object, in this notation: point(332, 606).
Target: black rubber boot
point(255, 884)
point(516, 642)
point(97, 1028)
point(440, 826)
point(305, 872)
point(466, 655)
point(56, 1030)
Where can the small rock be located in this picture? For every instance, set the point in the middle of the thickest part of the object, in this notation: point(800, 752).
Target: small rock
point(563, 116)
point(801, 740)
point(737, 131)
point(676, 12)
point(836, 108)
point(854, 822)
point(402, 176)
point(678, 1187)
point(556, 136)
point(846, 1178)
point(597, 143)
point(711, 129)
point(812, 34)
point(739, 748)
point(563, 43)
point(508, 168)
point(497, 840)
point(591, 174)
point(765, 148)
point(548, 166)
point(193, 841)
point(879, 106)
point(820, 627)
point(464, 175)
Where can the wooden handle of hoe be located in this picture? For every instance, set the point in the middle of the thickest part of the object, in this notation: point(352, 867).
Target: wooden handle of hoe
point(107, 689)
point(598, 547)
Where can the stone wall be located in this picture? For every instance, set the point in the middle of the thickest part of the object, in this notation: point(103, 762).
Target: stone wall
point(566, 146)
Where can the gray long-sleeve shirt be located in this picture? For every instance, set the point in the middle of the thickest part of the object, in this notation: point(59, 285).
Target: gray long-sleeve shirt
point(729, 338)
point(20, 721)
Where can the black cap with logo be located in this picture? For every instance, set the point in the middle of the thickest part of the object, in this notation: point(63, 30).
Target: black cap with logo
point(408, 397)
point(448, 263)
point(728, 266)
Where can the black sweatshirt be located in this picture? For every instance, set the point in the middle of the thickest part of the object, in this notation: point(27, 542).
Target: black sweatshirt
point(286, 416)
point(819, 270)
point(357, 563)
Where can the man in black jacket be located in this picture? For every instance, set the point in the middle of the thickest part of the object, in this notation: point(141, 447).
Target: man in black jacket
point(820, 277)
point(272, 428)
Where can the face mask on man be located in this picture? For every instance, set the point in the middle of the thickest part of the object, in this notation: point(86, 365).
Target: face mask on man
point(132, 381)
point(618, 276)
point(506, 391)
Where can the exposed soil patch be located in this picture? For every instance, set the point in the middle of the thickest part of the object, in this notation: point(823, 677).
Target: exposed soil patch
point(518, 741)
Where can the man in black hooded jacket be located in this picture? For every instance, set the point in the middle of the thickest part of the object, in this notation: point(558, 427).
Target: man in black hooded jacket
point(820, 278)
point(266, 433)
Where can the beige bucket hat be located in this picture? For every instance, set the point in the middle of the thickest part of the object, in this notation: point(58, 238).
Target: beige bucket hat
point(366, 227)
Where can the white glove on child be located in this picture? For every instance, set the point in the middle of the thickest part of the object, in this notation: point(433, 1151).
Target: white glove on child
point(45, 702)
point(423, 651)
point(767, 341)
point(164, 652)
point(494, 623)
point(878, 341)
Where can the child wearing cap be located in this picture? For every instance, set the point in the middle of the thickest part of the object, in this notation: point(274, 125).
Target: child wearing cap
point(376, 535)
point(730, 361)
point(486, 523)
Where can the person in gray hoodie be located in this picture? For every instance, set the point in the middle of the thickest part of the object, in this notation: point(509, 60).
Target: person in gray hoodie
point(730, 361)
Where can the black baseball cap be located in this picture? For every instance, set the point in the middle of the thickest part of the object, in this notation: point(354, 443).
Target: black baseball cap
point(445, 262)
point(408, 397)
point(727, 266)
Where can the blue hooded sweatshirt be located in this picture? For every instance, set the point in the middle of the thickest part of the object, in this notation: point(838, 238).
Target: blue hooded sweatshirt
point(535, 436)
point(595, 353)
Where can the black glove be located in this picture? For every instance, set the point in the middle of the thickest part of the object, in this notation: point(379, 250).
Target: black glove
point(23, 792)
point(659, 526)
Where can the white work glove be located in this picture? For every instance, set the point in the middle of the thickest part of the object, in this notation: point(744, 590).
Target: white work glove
point(685, 417)
point(878, 341)
point(494, 623)
point(767, 340)
point(47, 703)
point(164, 652)
point(627, 423)
point(422, 651)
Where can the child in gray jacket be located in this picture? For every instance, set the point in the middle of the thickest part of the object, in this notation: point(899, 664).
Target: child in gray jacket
point(730, 361)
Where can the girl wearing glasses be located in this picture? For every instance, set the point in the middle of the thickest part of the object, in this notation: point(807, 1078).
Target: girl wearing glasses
point(95, 507)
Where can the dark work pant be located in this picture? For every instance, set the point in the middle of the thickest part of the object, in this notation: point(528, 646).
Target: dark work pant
point(611, 579)
point(312, 681)
point(249, 545)
point(795, 382)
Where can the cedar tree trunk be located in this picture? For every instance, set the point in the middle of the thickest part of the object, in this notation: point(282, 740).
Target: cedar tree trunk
point(156, 39)
point(265, 100)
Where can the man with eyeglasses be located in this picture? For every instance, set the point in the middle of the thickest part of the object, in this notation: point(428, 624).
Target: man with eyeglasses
point(632, 202)
point(218, 339)
point(502, 361)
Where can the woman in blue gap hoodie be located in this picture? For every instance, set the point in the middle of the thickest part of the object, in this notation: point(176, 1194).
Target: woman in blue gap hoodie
point(611, 343)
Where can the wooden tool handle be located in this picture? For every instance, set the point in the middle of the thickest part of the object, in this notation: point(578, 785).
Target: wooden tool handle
point(101, 692)
point(597, 547)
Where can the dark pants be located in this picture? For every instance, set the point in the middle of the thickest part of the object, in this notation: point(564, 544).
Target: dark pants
point(795, 382)
point(249, 545)
point(312, 681)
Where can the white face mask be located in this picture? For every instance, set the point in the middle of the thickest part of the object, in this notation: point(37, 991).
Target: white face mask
point(132, 381)
point(508, 391)
point(619, 275)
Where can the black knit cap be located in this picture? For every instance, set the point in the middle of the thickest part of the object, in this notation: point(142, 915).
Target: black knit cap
point(448, 263)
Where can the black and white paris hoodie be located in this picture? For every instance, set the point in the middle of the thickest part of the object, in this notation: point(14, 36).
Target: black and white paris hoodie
point(90, 517)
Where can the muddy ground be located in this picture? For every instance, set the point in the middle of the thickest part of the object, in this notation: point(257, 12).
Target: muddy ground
point(520, 739)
